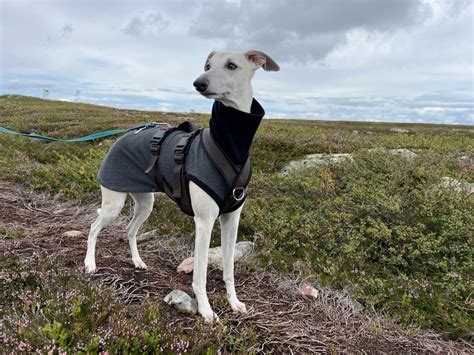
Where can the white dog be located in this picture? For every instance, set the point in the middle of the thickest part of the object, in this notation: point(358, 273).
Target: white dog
point(227, 79)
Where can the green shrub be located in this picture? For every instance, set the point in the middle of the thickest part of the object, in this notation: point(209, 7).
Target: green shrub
point(380, 226)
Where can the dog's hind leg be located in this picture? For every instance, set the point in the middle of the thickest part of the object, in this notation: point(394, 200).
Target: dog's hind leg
point(112, 204)
point(142, 209)
point(229, 226)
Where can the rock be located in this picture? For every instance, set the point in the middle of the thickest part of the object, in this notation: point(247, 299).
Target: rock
point(399, 130)
point(215, 257)
point(308, 291)
point(60, 211)
point(186, 266)
point(72, 233)
point(405, 153)
point(355, 132)
point(147, 235)
point(181, 301)
point(466, 162)
point(314, 160)
point(459, 186)
point(242, 249)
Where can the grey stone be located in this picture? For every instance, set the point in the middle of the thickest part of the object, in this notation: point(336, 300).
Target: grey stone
point(399, 130)
point(405, 153)
point(72, 233)
point(242, 250)
point(314, 160)
point(181, 301)
point(456, 185)
point(148, 235)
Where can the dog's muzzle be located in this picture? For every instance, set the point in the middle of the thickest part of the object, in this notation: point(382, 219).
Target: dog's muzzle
point(201, 84)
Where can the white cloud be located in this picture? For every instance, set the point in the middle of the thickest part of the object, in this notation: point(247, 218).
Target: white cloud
point(301, 30)
point(348, 60)
point(151, 23)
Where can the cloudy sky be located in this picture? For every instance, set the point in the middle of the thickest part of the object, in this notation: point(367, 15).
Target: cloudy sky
point(367, 60)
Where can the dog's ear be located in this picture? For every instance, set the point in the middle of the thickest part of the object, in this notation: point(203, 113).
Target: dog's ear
point(260, 59)
point(209, 58)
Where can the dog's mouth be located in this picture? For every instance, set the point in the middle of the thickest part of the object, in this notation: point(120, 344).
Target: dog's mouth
point(213, 95)
point(208, 93)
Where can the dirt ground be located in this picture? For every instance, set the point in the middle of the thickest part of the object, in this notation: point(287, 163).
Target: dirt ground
point(283, 319)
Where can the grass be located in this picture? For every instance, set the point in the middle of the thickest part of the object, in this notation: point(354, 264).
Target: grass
point(376, 226)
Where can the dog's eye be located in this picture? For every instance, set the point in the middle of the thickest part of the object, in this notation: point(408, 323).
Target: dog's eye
point(231, 66)
point(207, 67)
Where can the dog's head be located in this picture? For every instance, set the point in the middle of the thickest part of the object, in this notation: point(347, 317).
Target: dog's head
point(228, 74)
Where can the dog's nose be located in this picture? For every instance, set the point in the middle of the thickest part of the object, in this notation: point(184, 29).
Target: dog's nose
point(201, 84)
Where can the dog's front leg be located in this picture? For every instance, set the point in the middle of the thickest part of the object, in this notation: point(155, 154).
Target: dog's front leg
point(229, 226)
point(205, 213)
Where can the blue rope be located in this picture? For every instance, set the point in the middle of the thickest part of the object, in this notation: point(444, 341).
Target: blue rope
point(89, 137)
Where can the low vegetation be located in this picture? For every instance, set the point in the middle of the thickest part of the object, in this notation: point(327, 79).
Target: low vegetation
point(63, 311)
point(380, 226)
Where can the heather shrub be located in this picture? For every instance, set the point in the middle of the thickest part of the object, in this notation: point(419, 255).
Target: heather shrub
point(55, 309)
point(379, 226)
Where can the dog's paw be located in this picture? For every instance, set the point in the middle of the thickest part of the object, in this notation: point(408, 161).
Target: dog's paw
point(139, 264)
point(238, 307)
point(90, 266)
point(210, 317)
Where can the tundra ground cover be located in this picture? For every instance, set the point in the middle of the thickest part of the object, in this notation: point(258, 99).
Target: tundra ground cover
point(378, 226)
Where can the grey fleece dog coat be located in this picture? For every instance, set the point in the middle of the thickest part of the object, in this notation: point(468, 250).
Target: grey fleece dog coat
point(124, 167)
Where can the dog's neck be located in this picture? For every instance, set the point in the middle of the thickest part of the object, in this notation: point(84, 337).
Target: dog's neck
point(233, 130)
point(241, 99)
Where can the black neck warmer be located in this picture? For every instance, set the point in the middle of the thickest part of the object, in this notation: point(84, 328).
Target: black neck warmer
point(233, 130)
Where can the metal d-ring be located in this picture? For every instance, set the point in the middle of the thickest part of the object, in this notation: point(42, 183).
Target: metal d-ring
point(242, 194)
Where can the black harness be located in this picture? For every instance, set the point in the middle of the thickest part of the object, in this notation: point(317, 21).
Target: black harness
point(237, 177)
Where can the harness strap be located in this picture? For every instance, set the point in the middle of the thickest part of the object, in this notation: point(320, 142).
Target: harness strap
point(179, 154)
point(219, 158)
point(239, 190)
point(236, 178)
point(155, 148)
point(179, 160)
point(236, 181)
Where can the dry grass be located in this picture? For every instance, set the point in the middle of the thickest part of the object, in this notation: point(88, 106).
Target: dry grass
point(280, 318)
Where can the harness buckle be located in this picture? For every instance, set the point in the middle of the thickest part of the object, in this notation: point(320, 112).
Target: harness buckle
point(156, 141)
point(241, 193)
point(155, 145)
point(178, 156)
point(179, 150)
